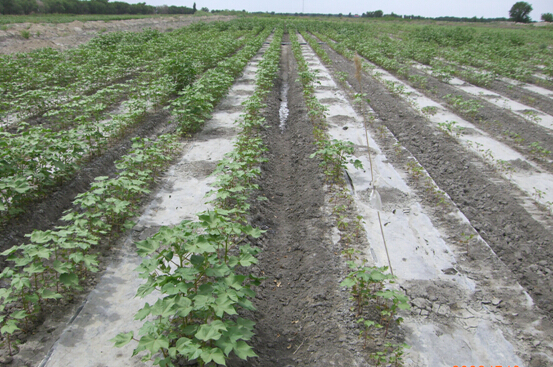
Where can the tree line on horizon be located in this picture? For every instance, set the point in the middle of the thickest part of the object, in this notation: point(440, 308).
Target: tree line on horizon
point(20, 7)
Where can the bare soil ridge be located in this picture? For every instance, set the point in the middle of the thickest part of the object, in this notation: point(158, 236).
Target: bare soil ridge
point(63, 36)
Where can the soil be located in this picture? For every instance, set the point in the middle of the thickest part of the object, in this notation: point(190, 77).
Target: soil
point(522, 95)
point(302, 316)
point(496, 121)
point(489, 202)
point(67, 35)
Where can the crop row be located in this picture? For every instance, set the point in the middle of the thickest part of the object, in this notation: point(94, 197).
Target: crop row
point(467, 107)
point(54, 262)
point(200, 268)
point(37, 158)
point(32, 83)
point(515, 54)
point(369, 286)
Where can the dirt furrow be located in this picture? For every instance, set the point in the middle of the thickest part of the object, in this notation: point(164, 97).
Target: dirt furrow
point(488, 201)
point(301, 315)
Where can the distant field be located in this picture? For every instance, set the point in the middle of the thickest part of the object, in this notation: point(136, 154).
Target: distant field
point(67, 18)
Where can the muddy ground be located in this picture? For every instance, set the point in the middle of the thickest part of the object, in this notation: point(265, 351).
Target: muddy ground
point(62, 36)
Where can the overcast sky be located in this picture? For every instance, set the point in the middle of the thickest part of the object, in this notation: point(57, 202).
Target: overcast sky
point(428, 8)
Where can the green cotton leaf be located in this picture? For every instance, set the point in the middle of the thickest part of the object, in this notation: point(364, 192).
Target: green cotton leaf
point(251, 231)
point(48, 294)
point(18, 315)
point(243, 350)
point(122, 339)
point(175, 288)
point(226, 344)
point(20, 282)
point(10, 251)
point(9, 327)
point(147, 247)
point(143, 312)
point(404, 306)
point(197, 260)
point(5, 293)
point(235, 281)
point(210, 331)
point(39, 251)
point(41, 236)
point(147, 266)
point(34, 268)
point(184, 306)
point(377, 276)
point(69, 279)
point(217, 270)
point(164, 307)
point(224, 305)
point(153, 344)
point(202, 245)
point(203, 301)
point(348, 282)
point(247, 259)
point(187, 348)
point(214, 354)
point(61, 267)
point(245, 323)
point(145, 289)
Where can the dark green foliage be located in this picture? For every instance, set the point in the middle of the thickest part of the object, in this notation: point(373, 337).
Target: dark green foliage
point(519, 12)
point(16, 7)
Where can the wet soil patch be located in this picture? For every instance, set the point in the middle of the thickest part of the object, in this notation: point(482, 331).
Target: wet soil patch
point(301, 312)
point(488, 201)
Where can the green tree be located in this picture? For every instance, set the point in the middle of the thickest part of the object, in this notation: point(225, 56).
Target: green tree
point(547, 17)
point(519, 12)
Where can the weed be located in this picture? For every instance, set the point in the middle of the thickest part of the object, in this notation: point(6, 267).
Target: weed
point(396, 88)
point(419, 81)
point(25, 34)
point(335, 155)
point(415, 169)
point(468, 107)
point(538, 151)
point(342, 77)
point(532, 116)
point(516, 137)
point(538, 194)
point(382, 131)
point(451, 128)
point(398, 148)
point(465, 239)
point(429, 110)
point(350, 252)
